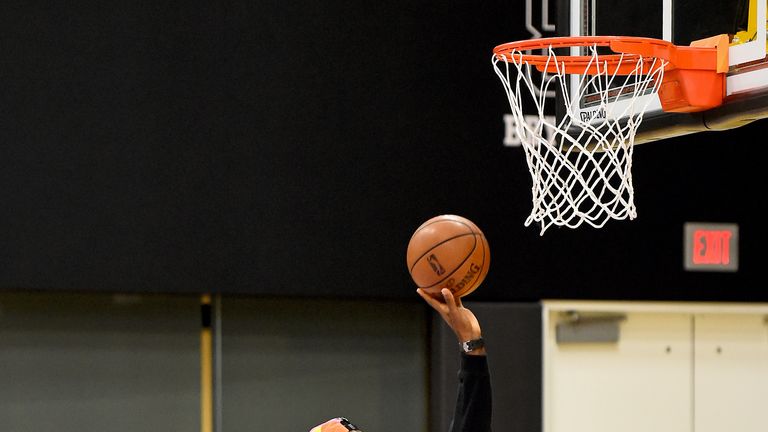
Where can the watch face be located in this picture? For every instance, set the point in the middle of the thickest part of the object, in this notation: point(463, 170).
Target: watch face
point(472, 345)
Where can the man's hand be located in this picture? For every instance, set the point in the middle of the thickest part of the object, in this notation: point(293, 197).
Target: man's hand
point(460, 319)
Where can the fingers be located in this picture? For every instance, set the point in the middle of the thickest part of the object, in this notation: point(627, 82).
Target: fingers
point(435, 303)
point(453, 303)
point(450, 304)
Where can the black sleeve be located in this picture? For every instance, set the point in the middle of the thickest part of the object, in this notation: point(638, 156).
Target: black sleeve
point(473, 403)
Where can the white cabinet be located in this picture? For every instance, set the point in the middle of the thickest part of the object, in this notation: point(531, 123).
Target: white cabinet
point(731, 369)
point(634, 366)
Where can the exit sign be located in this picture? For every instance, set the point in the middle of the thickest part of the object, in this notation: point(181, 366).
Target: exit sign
point(711, 246)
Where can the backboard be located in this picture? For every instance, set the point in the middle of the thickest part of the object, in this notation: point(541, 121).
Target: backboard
point(681, 22)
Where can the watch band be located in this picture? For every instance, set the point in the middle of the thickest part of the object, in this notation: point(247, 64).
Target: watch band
point(471, 345)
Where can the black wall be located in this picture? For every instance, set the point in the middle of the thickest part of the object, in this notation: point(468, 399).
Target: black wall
point(285, 148)
point(514, 339)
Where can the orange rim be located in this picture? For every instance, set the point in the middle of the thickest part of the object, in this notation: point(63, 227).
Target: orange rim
point(629, 50)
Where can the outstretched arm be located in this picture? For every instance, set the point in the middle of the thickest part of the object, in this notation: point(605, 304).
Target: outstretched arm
point(474, 402)
point(460, 319)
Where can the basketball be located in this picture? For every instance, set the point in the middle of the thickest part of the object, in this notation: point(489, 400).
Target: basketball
point(448, 251)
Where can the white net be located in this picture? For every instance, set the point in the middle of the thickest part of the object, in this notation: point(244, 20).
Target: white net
point(581, 165)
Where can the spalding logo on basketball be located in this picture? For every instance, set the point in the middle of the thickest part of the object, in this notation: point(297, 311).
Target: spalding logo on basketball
point(448, 251)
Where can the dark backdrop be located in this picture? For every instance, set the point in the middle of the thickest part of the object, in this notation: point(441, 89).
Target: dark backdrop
point(291, 148)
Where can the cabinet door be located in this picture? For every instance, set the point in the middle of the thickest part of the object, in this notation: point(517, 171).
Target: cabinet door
point(731, 362)
point(640, 383)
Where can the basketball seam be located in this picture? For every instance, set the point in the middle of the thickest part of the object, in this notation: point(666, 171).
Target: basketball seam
point(458, 266)
point(410, 270)
point(482, 267)
point(444, 220)
point(471, 231)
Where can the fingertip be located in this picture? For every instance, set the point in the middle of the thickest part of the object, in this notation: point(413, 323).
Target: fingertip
point(423, 294)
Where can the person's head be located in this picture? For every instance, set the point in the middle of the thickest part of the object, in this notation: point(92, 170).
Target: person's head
point(338, 424)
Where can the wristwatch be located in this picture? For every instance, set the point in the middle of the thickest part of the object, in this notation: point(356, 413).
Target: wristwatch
point(471, 345)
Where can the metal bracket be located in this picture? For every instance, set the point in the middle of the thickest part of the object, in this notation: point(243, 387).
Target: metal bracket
point(588, 327)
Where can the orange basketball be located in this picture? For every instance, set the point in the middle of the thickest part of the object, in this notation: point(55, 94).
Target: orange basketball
point(448, 251)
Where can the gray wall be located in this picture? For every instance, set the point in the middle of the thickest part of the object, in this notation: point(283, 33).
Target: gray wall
point(296, 363)
point(77, 363)
point(100, 362)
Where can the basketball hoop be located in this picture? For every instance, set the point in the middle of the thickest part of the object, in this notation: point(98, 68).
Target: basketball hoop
point(581, 166)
